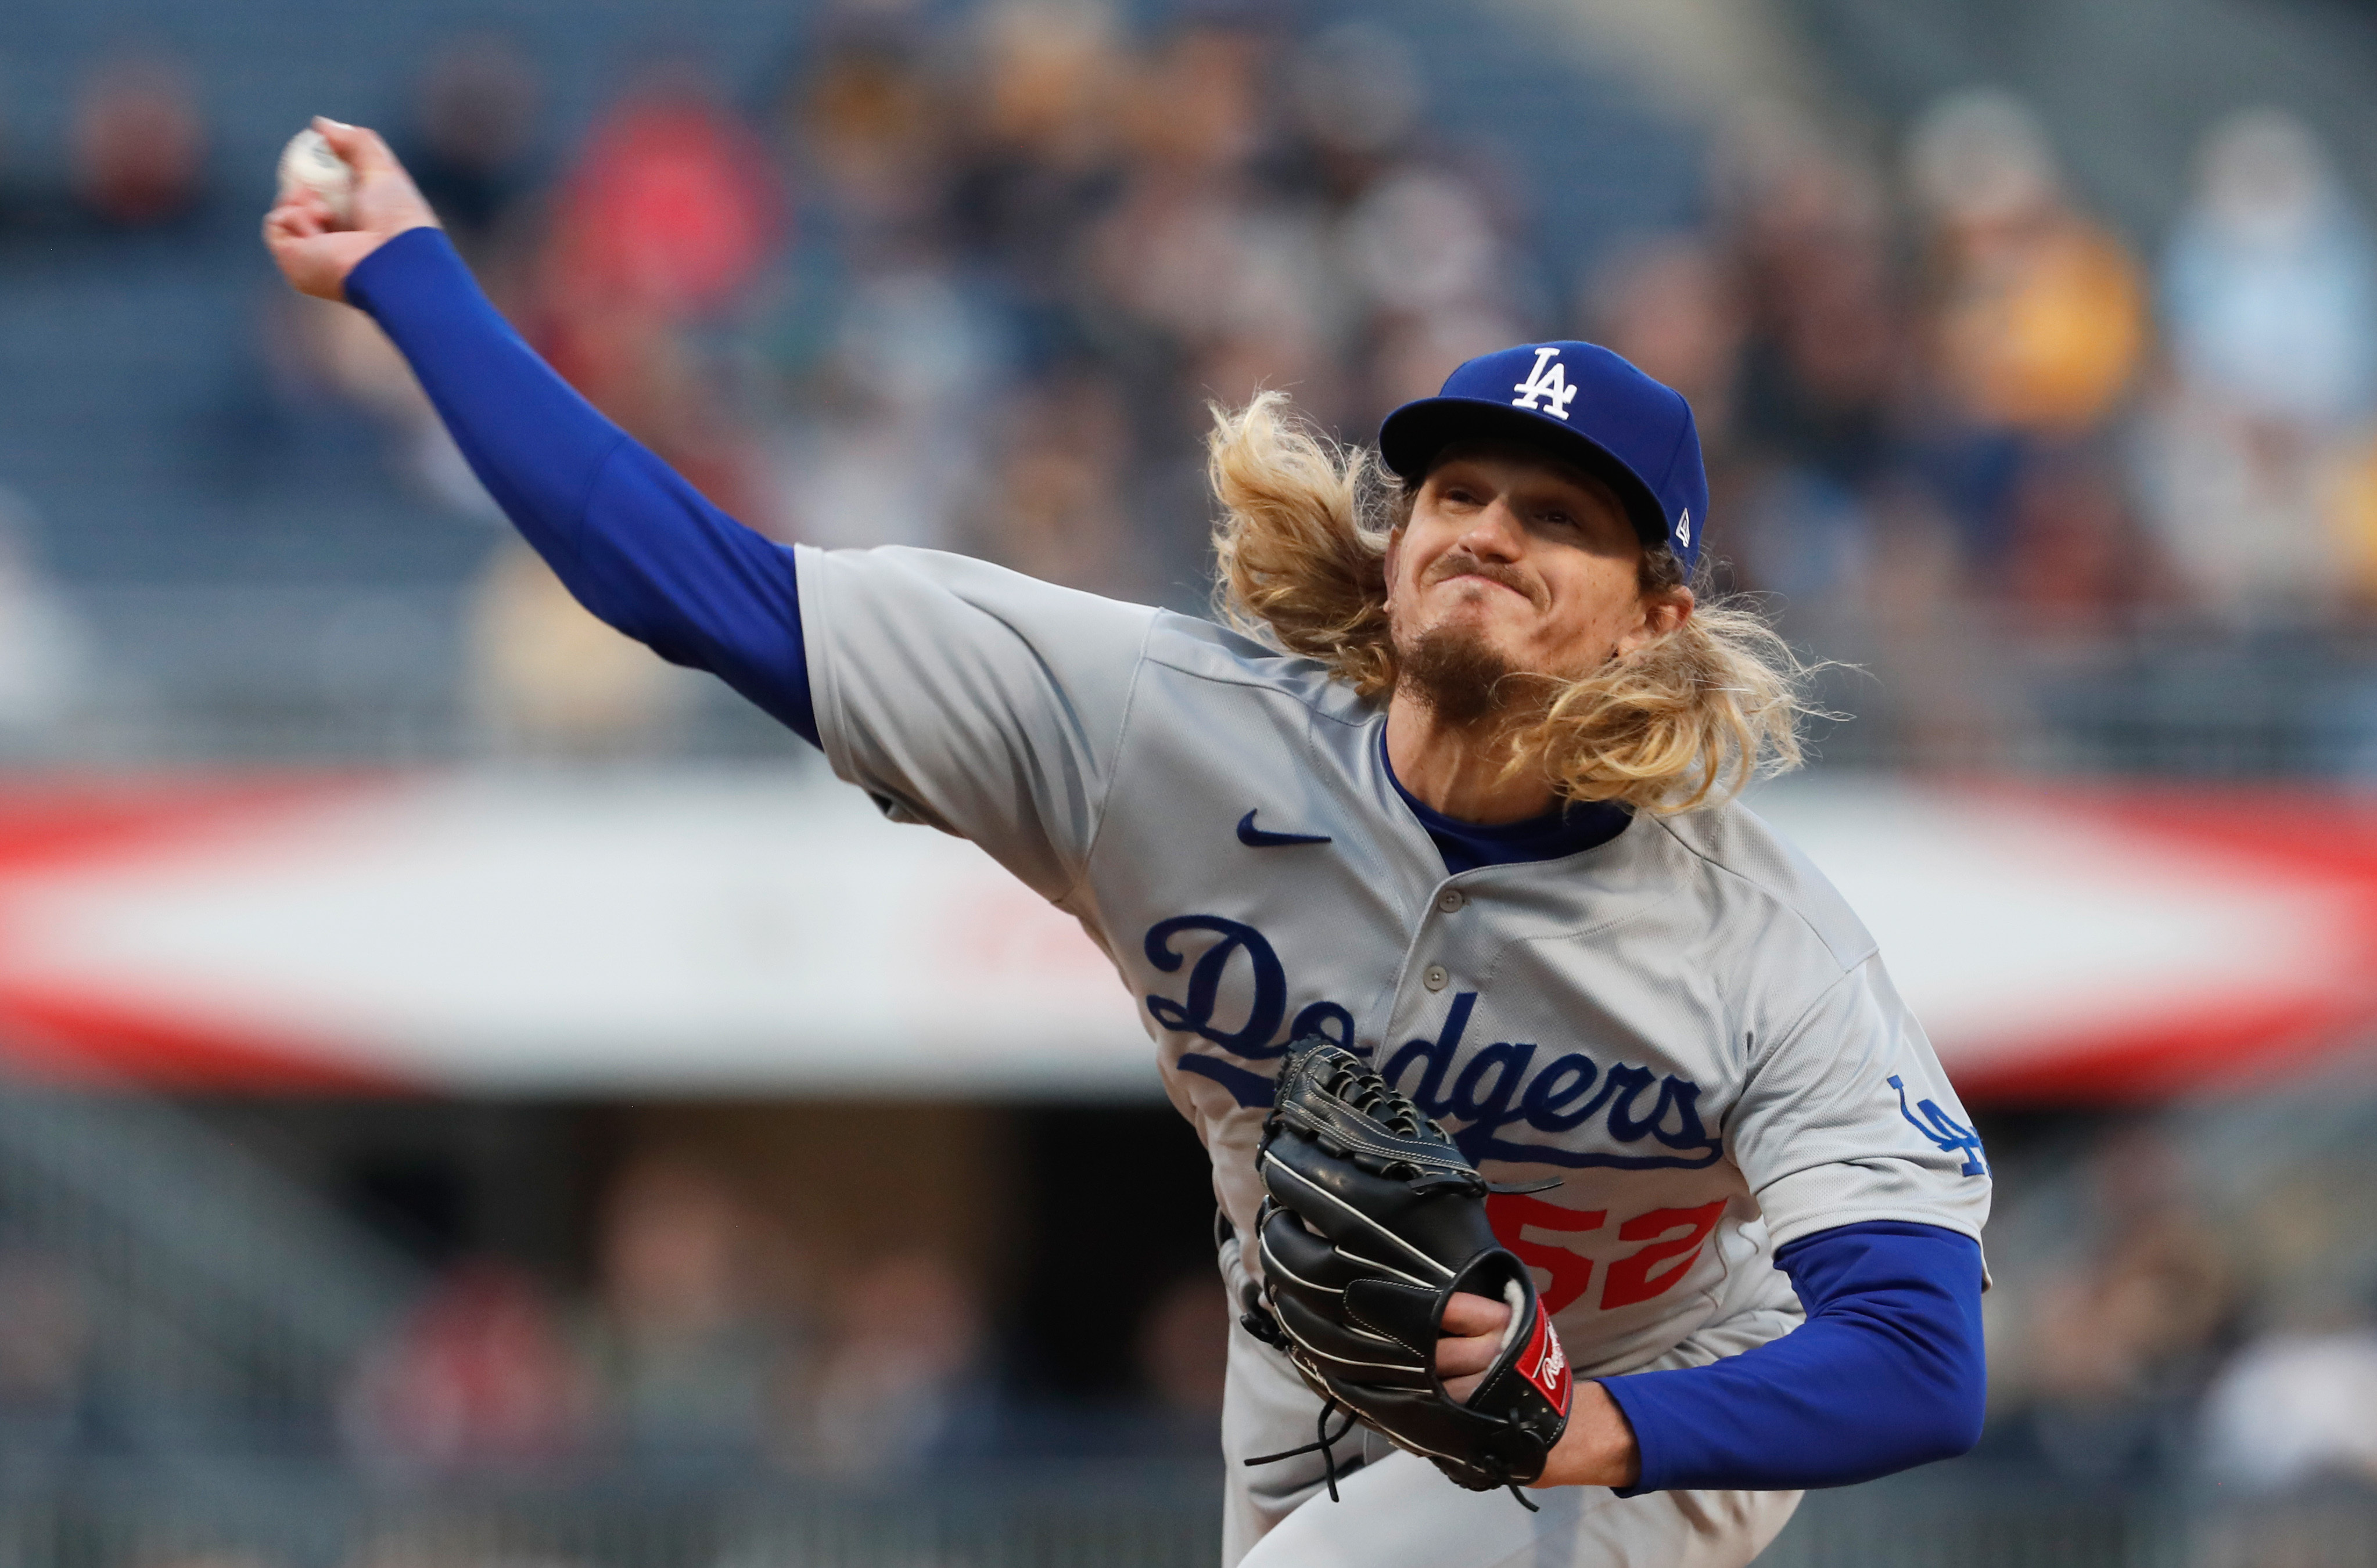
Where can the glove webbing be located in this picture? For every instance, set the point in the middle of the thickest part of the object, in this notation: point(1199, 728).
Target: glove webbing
point(1369, 1093)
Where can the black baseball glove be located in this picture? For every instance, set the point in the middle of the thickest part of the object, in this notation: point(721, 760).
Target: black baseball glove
point(1373, 1221)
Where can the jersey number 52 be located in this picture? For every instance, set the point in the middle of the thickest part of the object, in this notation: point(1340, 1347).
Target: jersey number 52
point(1675, 1235)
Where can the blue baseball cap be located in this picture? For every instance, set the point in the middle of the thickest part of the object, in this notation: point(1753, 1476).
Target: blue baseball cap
point(1585, 405)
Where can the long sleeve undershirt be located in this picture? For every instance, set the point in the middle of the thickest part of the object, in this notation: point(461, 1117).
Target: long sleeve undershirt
point(1885, 1374)
point(636, 544)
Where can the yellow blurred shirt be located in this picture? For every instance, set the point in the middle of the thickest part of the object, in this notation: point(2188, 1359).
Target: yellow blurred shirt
point(2042, 328)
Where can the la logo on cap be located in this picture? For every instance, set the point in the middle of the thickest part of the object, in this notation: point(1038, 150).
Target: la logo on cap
point(1684, 530)
point(1548, 381)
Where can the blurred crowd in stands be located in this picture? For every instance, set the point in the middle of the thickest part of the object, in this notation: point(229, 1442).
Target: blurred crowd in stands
point(704, 1351)
point(975, 290)
point(706, 1341)
point(2190, 1294)
point(970, 283)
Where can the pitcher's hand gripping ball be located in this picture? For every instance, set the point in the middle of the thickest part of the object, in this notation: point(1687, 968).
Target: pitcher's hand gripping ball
point(1374, 1219)
point(308, 163)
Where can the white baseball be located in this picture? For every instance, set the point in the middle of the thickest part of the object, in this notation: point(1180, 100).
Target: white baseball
point(308, 161)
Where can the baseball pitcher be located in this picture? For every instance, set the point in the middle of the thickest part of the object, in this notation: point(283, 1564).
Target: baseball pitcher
point(1586, 1191)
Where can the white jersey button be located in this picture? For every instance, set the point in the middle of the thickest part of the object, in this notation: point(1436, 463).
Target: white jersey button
point(1436, 977)
point(1451, 899)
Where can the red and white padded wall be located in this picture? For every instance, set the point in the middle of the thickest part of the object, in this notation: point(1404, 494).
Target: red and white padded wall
point(768, 934)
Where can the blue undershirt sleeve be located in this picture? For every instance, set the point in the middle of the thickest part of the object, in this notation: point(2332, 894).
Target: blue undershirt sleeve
point(638, 546)
point(1887, 1372)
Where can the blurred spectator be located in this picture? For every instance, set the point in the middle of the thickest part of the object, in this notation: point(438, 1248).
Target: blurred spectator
point(45, 653)
point(1041, 152)
point(2270, 285)
point(2038, 312)
point(2294, 1408)
point(1425, 251)
point(2270, 298)
point(1803, 534)
point(1184, 1347)
point(1357, 95)
point(478, 1377)
point(1825, 352)
point(1055, 506)
point(893, 446)
point(330, 362)
point(1805, 382)
point(2348, 498)
point(666, 387)
point(1671, 306)
point(2302, 1240)
point(1422, 240)
point(898, 1370)
point(663, 226)
point(469, 148)
point(871, 122)
point(138, 145)
point(45, 1342)
point(1200, 109)
point(2077, 563)
point(548, 678)
point(2117, 1335)
point(671, 211)
point(682, 1348)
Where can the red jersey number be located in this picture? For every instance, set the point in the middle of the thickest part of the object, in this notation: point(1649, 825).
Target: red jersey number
point(1676, 1236)
point(1512, 1215)
point(1631, 1279)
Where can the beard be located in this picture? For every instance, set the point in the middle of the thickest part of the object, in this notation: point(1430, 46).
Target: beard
point(1458, 675)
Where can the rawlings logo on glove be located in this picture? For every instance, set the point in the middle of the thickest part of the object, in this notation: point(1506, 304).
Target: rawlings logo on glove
point(1545, 1364)
point(1374, 1220)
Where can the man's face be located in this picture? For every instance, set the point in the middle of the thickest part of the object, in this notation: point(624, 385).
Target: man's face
point(1515, 562)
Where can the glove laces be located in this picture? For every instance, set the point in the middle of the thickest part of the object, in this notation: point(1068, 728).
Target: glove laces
point(1325, 1446)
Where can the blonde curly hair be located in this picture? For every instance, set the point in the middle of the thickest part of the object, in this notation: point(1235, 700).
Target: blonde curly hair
point(1685, 721)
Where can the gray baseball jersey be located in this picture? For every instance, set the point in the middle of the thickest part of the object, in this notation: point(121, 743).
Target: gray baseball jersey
point(1685, 1025)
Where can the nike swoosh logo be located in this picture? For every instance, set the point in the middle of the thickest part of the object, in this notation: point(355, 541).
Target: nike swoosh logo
point(1257, 838)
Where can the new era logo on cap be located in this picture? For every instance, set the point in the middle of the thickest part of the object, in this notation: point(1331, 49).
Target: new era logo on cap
point(1583, 405)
